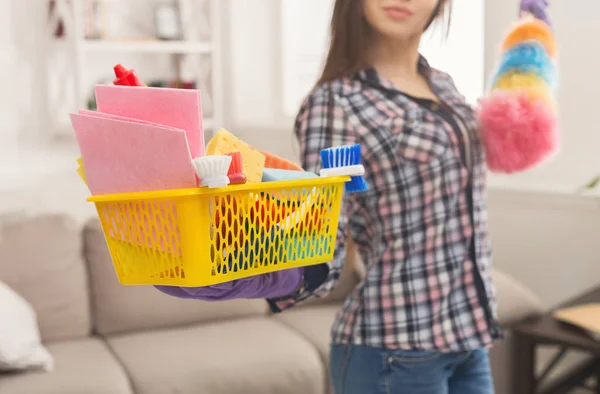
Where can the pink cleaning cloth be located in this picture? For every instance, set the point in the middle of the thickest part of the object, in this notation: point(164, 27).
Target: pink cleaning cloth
point(179, 108)
point(122, 157)
point(122, 118)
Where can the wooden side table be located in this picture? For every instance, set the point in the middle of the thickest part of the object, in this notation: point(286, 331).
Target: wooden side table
point(548, 331)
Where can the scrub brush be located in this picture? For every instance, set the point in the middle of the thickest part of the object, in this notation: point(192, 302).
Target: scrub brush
point(344, 161)
point(212, 170)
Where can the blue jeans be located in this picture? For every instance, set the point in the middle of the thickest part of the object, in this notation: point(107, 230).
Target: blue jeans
point(369, 370)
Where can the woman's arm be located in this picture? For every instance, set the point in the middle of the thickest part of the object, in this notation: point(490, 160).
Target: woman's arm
point(321, 123)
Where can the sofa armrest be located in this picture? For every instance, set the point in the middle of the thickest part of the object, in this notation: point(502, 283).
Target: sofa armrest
point(515, 301)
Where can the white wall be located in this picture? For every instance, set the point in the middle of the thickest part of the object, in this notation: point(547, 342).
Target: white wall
point(254, 90)
point(447, 49)
point(6, 66)
point(20, 75)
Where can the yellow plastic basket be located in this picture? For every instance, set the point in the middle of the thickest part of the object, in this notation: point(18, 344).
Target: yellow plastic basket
point(201, 237)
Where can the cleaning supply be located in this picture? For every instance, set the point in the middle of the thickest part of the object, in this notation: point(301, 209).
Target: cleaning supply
point(529, 29)
point(125, 77)
point(127, 157)
point(519, 117)
point(274, 161)
point(537, 9)
point(273, 175)
point(236, 169)
point(529, 57)
point(344, 161)
point(224, 142)
point(179, 108)
point(270, 211)
point(529, 83)
point(122, 118)
point(212, 170)
point(143, 181)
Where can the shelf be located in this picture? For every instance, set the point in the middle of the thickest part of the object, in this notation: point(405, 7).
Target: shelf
point(147, 46)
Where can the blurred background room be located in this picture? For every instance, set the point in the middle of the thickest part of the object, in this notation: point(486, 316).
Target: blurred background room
point(253, 61)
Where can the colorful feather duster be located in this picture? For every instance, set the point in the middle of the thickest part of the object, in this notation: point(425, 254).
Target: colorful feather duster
point(518, 118)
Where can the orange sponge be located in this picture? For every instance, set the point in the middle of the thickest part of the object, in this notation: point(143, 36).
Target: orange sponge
point(273, 161)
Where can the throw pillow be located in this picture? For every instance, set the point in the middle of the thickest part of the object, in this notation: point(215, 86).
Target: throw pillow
point(20, 342)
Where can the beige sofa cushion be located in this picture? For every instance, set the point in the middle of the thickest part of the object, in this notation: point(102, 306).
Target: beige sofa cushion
point(250, 356)
point(119, 309)
point(82, 366)
point(314, 324)
point(40, 259)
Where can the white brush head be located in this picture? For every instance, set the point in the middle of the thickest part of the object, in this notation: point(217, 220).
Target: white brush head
point(355, 170)
point(212, 170)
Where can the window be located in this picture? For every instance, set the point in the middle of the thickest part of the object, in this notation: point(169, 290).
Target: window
point(304, 43)
point(462, 54)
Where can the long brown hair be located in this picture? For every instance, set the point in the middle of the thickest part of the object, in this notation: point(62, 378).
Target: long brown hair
point(350, 36)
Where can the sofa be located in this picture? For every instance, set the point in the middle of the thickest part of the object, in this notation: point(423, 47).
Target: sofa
point(111, 339)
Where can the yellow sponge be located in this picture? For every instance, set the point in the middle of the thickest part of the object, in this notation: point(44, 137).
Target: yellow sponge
point(254, 162)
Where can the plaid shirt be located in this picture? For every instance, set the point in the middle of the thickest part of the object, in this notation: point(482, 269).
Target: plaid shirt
point(427, 285)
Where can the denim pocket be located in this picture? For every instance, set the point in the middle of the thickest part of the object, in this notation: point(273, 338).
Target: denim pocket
point(413, 357)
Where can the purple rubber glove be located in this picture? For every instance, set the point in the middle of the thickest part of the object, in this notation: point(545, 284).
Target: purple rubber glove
point(538, 8)
point(271, 285)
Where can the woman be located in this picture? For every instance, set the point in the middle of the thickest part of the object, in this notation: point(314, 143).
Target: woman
point(424, 316)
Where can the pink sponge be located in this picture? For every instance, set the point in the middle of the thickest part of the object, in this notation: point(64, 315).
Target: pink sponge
point(518, 132)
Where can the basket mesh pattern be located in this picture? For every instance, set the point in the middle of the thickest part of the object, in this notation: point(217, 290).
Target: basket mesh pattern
point(220, 237)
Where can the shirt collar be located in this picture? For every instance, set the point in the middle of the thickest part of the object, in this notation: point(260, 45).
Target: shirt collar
point(371, 76)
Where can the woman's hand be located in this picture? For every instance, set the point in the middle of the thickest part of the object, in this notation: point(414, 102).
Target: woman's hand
point(271, 285)
point(537, 8)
